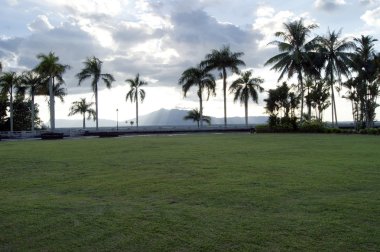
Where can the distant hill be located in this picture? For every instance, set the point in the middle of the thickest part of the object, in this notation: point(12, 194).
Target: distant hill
point(172, 117)
point(162, 117)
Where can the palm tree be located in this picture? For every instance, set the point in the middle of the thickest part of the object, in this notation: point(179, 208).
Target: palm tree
point(50, 67)
point(296, 54)
point(93, 68)
point(195, 115)
point(246, 87)
point(336, 58)
point(367, 87)
point(82, 107)
point(198, 76)
point(34, 82)
point(8, 81)
point(223, 60)
point(134, 93)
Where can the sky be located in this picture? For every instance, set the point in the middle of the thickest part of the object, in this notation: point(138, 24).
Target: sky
point(161, 39)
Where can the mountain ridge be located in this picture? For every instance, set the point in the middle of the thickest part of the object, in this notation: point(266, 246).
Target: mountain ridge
point(161, 117)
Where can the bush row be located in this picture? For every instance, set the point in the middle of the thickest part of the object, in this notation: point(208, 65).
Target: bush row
point(313, 127)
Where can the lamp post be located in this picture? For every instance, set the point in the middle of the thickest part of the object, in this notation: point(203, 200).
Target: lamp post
point(117, 119)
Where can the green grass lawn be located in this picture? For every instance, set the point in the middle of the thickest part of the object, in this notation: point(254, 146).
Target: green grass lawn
point(201, 192)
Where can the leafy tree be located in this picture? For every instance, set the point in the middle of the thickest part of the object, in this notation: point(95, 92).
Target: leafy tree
point(135, 93)
point(195, 115)
point(23, 114)
point(337, 60)
point(3, 110)
point(296, 53)
point(32, 82)
point(318, 98)
point(365, 83)
point(8, 81)
point(352, 95)
point(50, 67)
point(281, 105)
point(93, 69)
point(224, 60)
point(82, 107)
point(200, 78)
point(245, 88)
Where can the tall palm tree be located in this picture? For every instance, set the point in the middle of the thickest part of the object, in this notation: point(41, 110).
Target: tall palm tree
point(135, 92)
point(8, 81)
point(33, 82)
point(223, 60)
point(93, 69)
point(336, 57)
point(82, 107)
point(296, 53)
point(245, 88)
point(199, 77)
point(50, 67)
point(196, 116)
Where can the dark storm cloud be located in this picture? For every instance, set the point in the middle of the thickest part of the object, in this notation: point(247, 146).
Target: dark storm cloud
point(329, 5)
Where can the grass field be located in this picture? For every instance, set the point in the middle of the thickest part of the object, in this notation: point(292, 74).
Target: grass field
point(201, 192)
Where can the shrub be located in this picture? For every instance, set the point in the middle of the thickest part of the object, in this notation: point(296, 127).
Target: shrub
point(51, 136)
point(363, 131)
point(372, 131)
point(313, 126)
point(263, 128)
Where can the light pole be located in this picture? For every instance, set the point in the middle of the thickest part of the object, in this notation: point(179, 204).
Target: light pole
point(117, 119)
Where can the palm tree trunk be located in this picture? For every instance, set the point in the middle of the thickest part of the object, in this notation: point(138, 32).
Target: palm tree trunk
point(84, 120)
point(11, 108)
point(225, 96)
point(200, 106)
point(51, 103)
point(246, 110)
point(137, 108)
point(333, 104)
point(96, 106)
point(302, 93)
point(33, 114)
point(353, 113)
point(308, 104)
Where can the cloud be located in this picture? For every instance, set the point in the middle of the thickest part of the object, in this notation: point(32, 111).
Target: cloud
point(329, 5)
point(268, 21)
point(12, 2)
point(40, 24)
point(372, 17)
point(369, 2)
point(160, 40)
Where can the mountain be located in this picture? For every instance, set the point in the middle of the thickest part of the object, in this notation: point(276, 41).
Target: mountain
point(165, 117)
point(162, 117)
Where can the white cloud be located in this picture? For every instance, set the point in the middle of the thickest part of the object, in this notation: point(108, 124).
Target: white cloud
point(265, 11)
point(268, 22)
point(12, 2)
point(88, 7)
point(329, 5)
point(372, 17)
point(40, 24)
point(153, 50)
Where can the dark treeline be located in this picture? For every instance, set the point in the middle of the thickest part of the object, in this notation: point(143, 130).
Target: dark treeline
point(323, 65)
